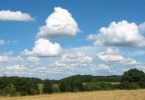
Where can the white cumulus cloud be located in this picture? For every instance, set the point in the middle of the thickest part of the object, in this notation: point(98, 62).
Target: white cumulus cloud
point(44, 47)
point(59, 23)
point(7, 15)
point(114, 56)
point(120, 34)
point(77, 57)
point(72, 60)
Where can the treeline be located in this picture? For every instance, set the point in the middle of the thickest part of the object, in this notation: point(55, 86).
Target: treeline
point(19, 86)
point(90, 78)
point(15, 86)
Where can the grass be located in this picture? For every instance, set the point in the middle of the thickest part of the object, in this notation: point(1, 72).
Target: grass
point(95, 95)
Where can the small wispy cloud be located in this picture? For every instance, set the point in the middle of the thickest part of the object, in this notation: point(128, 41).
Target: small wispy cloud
point(2, 42)
point(7, 15)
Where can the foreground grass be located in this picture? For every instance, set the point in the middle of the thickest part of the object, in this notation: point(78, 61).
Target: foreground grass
point(96, 95)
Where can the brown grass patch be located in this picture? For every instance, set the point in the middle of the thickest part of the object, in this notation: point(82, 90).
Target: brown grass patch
point(96, 95)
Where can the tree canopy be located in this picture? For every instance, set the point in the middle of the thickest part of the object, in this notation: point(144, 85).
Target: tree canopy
point(133, 78)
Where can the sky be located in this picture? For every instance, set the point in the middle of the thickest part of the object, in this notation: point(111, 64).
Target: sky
point(58, 38)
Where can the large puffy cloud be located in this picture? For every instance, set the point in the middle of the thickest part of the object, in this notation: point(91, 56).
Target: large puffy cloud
point(7, 15)
point(114, 56)
point(59, 23)
point(120, 34)
point(44, 47)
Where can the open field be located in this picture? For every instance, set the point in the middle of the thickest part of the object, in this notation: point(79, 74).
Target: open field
point(96, 95)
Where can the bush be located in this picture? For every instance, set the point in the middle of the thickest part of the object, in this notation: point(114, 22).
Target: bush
point(91, 86)
point(56, 88)
point(9, 90)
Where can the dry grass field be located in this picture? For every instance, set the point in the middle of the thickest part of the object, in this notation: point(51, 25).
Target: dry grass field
point(96, 95)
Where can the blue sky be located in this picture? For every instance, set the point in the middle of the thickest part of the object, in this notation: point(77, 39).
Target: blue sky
point(59, 38)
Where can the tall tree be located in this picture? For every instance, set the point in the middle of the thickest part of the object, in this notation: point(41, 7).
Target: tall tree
point(133, 78)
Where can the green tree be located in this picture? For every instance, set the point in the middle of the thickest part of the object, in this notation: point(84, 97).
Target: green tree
point(133, 79)
point(70, 85)
point(3, 82)
point(63, 86)
point(26, 86)
point(9, 90)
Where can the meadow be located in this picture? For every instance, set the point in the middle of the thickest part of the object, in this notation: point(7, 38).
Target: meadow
point(94, 95)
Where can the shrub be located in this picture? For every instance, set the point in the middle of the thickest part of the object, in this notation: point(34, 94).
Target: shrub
point(91, 86)
point(56, 88)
